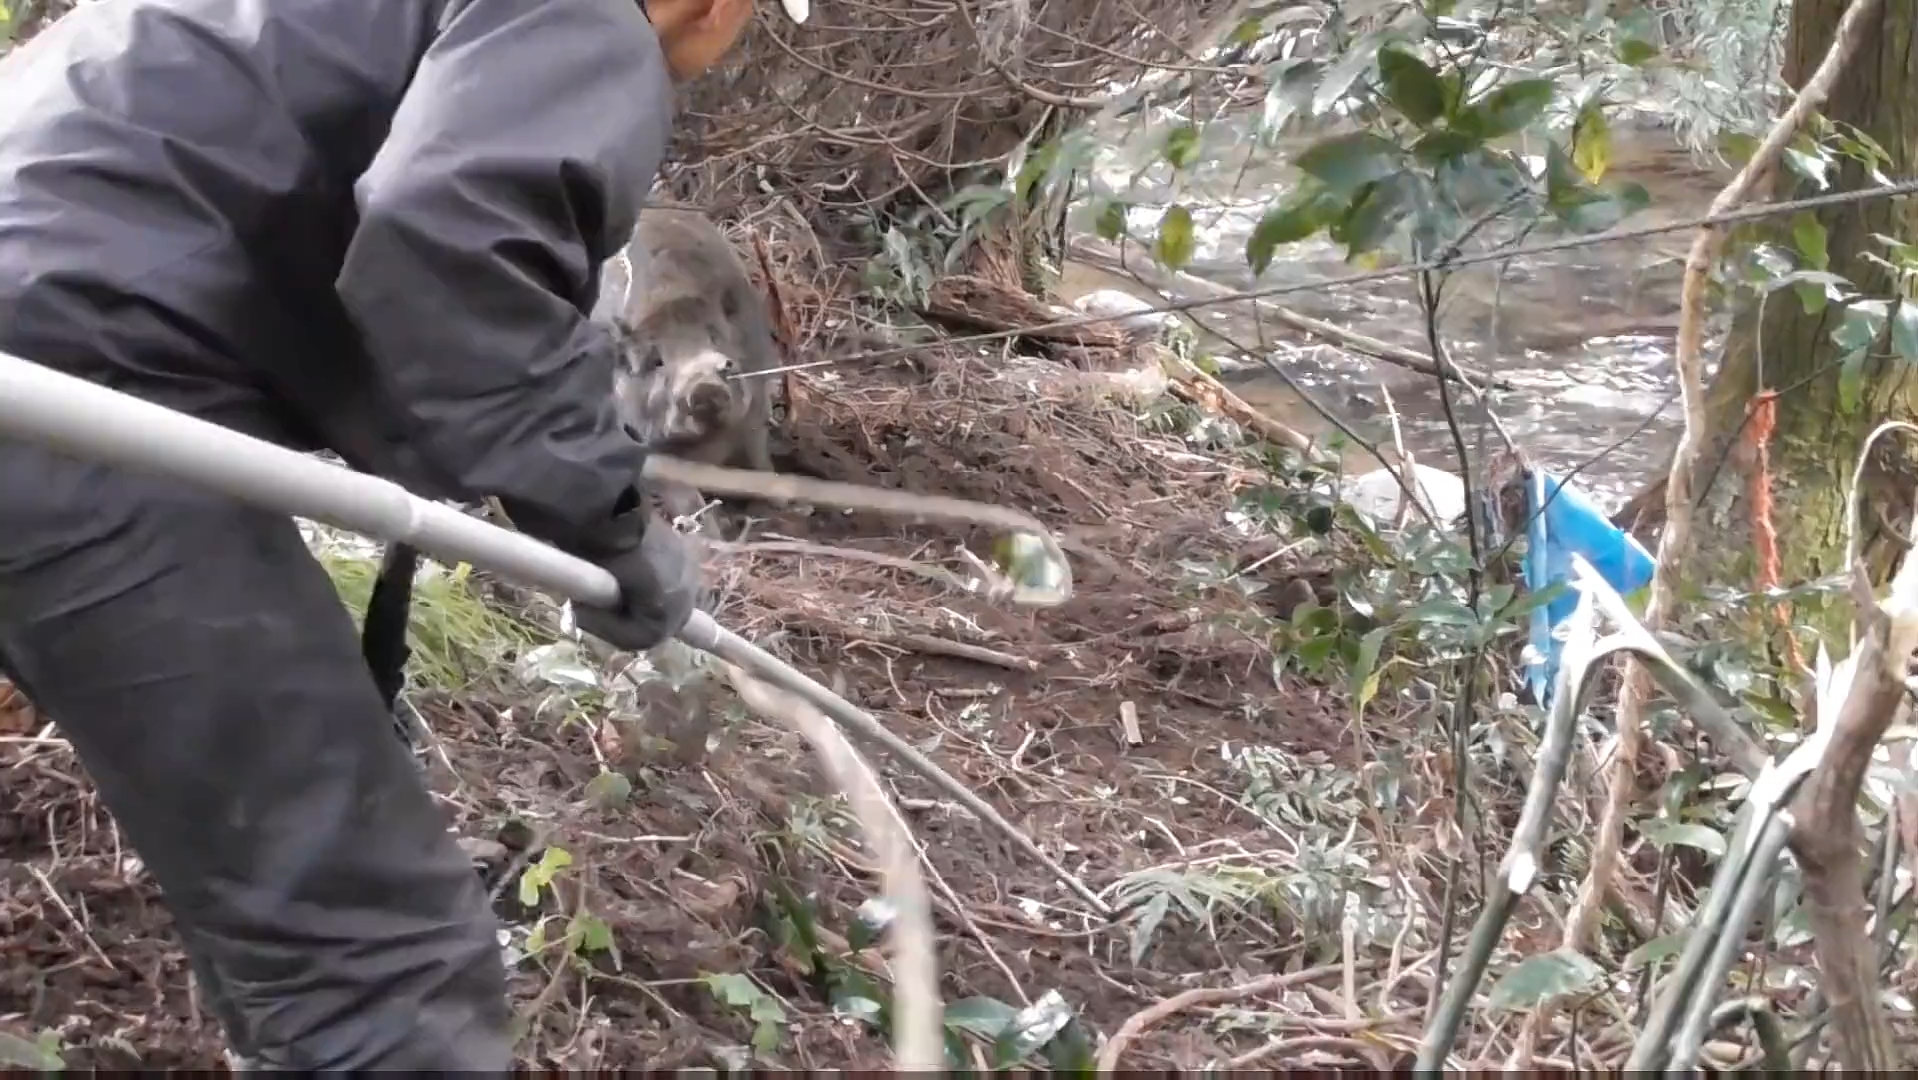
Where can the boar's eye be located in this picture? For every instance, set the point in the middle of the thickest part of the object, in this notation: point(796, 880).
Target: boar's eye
point(650, 360)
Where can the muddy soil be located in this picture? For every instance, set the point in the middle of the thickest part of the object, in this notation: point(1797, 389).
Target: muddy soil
point(682, 871)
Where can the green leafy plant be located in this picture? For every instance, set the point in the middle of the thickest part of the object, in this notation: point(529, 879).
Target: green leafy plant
point(538, 878)
point(740, 992)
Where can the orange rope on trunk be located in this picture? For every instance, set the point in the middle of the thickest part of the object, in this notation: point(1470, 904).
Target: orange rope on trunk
point(1764, 418)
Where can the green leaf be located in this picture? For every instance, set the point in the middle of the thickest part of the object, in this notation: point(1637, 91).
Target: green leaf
point(1541, 978)
point(1563, 185)
point(854, 993)
point(1623, 201)
point(1809, 167)
point(1524, 603)
point(1441, 612)
point(982, 1016)
point(1345, 163)
point(958, 1054)
point(1147, 925)
point(1510, 108)
point(1811, 240)
point(1444, 145)
point(861, 1008)
point(1633, 52)
point(740, 992)
point(1311, 620)
point(608, 790)
point(1340, 77)
point(1365, 674)
point(1581, 207)
point(1175, 245)
point(1110, 222)
point(1862, 322)
point(1851, 381)
point(1039, 164)
point(1313, 654)
point(732, 988)
point(1031, 1028)
point(1478, 181)
point(1412, 86)
point(539, 875)
point(1374, 215)
point(1904, 331)
point(1738, 146)
point(767, 1009)
point(1070, 1053)
point(1655, 950)
point(1182, 146)
point(1289, 222)
point(977, 202)
point(24, 1054)
point(1291, 81)
point(766, 1036)
point(593, 933)
point(1664, 832)
point(1591, 143)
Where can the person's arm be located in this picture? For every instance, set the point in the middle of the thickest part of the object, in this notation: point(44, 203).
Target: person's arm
point(515, 164)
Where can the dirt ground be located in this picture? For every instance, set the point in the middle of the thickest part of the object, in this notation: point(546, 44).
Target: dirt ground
point(1023, 706)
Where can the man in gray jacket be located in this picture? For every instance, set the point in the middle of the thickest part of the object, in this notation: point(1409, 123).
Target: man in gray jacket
point(370, 226)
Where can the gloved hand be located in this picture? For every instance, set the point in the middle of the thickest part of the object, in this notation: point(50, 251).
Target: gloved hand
point(657, 572)
point(658, 586)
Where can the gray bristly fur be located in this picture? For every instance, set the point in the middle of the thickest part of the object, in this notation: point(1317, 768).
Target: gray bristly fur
point(694, 332)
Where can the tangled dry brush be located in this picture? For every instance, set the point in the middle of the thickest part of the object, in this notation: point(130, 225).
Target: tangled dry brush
point(873, 100)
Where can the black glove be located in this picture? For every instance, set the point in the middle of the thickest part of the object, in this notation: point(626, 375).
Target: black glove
point(658, 586)
point(657, 573)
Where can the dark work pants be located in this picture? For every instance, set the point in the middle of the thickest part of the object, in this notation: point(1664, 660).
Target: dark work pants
point(204, 669)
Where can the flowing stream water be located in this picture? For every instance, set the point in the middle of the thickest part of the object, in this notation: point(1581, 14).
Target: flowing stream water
point(1584, 336)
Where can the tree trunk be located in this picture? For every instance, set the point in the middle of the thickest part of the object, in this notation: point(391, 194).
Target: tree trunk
point(1777, 345)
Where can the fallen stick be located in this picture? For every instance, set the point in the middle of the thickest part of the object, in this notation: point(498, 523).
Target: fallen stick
point(1136, 1024)
point(1207, 392)
point(908, 505)
point(917, 1007)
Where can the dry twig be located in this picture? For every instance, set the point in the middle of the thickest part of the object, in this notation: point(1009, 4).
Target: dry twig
point(1138, 1022)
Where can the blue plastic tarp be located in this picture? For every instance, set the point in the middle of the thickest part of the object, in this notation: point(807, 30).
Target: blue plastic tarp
point(1571, 525)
